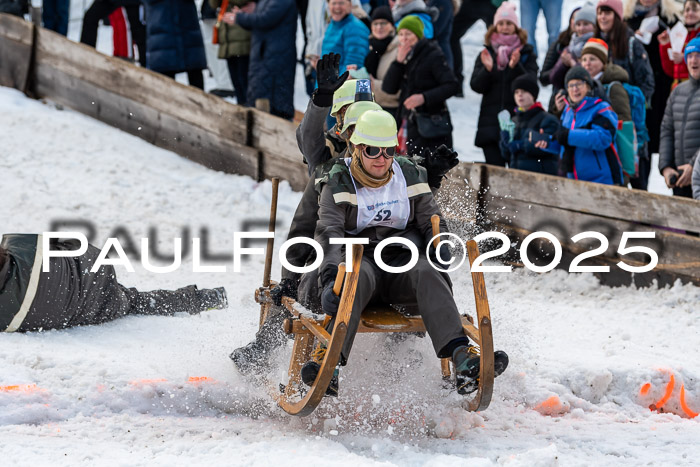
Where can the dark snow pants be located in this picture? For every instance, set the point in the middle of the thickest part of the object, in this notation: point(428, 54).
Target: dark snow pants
point(430, 289)
point(70, 295)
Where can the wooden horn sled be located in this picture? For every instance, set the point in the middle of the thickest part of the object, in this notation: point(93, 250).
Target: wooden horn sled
point(308, 329)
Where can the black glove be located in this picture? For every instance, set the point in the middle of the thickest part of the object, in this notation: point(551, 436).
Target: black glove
point(328, 79)
point(445, 254)
point(286, 288)
point(438, 163)
point(330, 301)
point(562, 136)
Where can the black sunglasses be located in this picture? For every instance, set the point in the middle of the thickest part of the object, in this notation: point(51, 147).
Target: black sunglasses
point(374, 152)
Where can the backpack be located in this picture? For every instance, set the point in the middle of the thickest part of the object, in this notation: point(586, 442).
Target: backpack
point(628, 144)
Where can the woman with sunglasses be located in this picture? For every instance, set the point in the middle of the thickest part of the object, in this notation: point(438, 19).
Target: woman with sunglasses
point(375, 195)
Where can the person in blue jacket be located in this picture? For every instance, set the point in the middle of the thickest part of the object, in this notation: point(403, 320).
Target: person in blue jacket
point(174, 41)
point(272, 53)
point(587, 134)
point(345, 35)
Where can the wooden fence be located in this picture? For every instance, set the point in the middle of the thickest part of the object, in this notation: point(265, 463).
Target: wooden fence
point(233, 139)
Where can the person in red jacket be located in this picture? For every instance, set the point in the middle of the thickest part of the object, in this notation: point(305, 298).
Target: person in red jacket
point(675, 67)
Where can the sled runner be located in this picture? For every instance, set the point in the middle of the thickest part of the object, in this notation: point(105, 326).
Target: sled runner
point(308, 329)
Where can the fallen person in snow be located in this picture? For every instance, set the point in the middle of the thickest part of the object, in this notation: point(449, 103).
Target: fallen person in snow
point(71, 295)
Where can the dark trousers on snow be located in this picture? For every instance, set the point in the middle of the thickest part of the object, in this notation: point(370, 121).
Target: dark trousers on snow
point(118, 301)
point(72, 295)
point(101, 9)
point(430, 289)
point(238, 69)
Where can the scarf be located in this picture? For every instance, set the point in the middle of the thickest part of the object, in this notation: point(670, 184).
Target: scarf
point(577, 43)
point(536, 105)
point(504, 45)
point(647, 11)
point(360, 174)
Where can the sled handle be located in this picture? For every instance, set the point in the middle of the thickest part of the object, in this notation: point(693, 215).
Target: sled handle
point(338, 285)
point(271, 228)
point(435, 221)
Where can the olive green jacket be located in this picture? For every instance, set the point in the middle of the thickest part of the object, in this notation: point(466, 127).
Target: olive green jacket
point(234, 41)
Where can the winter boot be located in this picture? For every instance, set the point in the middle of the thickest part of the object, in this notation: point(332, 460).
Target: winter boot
point(310, 370)
point(212, 299)
point(467, 364)
point(255, 357)
point(251, 358)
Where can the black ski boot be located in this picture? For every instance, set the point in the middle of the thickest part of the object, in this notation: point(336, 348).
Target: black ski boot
point(310, 370)
point(212, 299)
point(467, 364)
point(251, 358)
point(255, 357)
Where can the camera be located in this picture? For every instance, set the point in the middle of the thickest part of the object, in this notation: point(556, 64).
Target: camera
point(674, 178)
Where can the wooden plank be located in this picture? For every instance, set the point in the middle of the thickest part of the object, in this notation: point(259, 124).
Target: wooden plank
point(16, 40)
point(163, 130)
point(316, 329)
point(593, 198)
point(276, 139)
point(154, 90)
point(679, 254)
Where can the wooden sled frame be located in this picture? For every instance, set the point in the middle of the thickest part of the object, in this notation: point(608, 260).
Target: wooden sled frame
point(307, 328)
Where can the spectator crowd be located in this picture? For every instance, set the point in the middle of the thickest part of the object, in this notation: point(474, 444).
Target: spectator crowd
point(624, 73)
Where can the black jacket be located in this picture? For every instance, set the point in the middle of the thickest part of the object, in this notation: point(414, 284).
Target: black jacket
point(636, 63)
point(553, 54)
point(68, 295)
point(425, 73)
point(531, 121)
point(495, 85)
point(14, 7)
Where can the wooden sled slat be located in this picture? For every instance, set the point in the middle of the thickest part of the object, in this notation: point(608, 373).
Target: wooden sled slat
point(312, 398)
point(482, 399)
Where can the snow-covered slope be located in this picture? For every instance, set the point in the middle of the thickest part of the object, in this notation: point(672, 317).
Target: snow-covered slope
point(127, 392)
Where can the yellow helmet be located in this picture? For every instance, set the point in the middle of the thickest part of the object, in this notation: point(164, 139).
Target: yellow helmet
point(355, 110)
point(375, 128)
point(344, 95)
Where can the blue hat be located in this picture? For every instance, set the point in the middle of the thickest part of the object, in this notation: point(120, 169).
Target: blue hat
point(693, 46)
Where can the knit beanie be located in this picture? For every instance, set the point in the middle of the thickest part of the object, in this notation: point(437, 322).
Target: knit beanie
point(578, 72)
point(614, 5)
point(413, 24)
point(507, 12)
point(382, 12)
point(527, 83)
point(596, 47)
point(586, 13)
point(693, 46)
